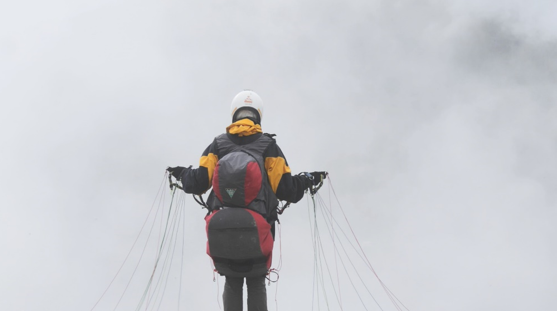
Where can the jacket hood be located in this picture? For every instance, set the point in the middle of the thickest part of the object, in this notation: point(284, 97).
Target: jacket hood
point(244, 127)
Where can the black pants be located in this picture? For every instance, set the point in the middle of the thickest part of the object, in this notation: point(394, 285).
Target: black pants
point(233, 290)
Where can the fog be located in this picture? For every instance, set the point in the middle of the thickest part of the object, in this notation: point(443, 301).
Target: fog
point(436, 121)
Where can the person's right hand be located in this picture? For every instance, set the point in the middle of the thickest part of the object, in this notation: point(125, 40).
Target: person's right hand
point(177, 171)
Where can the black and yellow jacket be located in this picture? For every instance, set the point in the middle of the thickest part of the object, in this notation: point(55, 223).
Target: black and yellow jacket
point(285, 186)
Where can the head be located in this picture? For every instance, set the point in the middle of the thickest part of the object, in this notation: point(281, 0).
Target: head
point(247, 105)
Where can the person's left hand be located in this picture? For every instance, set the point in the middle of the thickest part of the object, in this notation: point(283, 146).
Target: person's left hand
point(318, 177)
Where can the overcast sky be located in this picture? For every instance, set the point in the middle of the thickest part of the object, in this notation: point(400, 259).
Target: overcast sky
point(436, 120)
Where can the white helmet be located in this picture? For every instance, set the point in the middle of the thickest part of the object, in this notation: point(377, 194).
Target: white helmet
point(247, 99)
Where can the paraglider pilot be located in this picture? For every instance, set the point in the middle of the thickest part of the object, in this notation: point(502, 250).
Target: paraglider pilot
point(248, 174)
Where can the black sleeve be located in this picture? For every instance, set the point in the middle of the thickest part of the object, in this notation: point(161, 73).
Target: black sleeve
point(198, 180)
point(291, 188)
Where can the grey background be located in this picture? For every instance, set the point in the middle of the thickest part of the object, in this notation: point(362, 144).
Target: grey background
point(436, 120)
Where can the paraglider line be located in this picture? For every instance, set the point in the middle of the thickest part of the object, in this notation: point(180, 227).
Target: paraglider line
point(386, 289)
point(160, 250)
point(133, 245)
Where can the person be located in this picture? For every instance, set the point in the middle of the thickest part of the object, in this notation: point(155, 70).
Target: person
point(245, 131)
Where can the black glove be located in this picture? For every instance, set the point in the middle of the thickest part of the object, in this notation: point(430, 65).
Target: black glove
point(177, 171)
point(307, 179)
point(317, 177)
point(313, 179)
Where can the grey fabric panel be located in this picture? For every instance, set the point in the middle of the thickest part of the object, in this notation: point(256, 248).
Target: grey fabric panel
point(234, 243)
point(257, 147)
point(232, 168)
point(233, 234)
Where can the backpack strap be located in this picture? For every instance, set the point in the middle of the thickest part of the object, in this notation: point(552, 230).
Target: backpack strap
point(255, 149)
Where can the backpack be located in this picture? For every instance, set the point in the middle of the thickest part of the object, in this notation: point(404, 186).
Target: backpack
point(240, 242)
point(243, 206)
point(237, 179)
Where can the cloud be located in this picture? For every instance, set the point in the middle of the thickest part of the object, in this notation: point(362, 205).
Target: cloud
point(435, 120)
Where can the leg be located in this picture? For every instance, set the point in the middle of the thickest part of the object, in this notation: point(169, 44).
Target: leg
point(257, 294)
point(232, 295)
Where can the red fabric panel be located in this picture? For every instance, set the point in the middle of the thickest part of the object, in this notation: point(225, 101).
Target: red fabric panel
point(265, 237)
point(216, 188)
point(207, 221)
point(252, 184)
